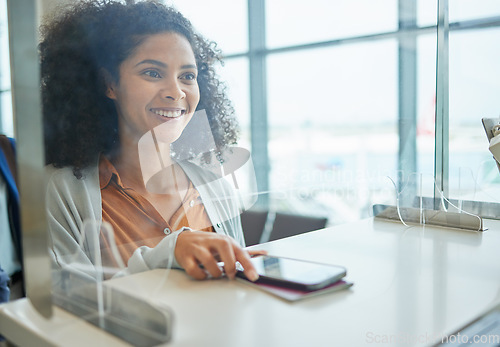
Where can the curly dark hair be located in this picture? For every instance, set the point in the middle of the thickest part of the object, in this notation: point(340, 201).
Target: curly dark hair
point(81, 40)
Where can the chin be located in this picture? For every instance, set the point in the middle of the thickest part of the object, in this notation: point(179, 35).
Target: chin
point(166, 133)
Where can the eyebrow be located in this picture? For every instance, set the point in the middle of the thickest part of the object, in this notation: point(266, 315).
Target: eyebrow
point(163, 65)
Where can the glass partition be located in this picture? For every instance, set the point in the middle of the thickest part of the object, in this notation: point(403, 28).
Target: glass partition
point(347, 109)
point(356, 107)
point(128, 158)
point(473, 95)
point(410, 207)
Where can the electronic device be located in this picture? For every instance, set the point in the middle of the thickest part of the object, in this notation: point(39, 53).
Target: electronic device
point(295, 273)
point(492, 129)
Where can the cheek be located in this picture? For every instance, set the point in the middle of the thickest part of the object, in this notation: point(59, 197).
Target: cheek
point(195, 97)
point(140, 94)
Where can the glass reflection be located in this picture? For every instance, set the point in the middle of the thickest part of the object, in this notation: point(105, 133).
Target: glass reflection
point(139, 137)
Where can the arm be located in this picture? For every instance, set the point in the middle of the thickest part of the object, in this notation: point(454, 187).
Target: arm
point(74, 203)
point(221, 204)
point(75, 235)
point(74, 209)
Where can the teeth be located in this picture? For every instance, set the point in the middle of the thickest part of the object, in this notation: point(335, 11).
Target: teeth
point(168, 114)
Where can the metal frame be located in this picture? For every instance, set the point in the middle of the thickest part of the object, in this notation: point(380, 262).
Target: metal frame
point(483, 23)
point(133, 320)
point(407, 92)
point(258, 97)
point(441, 154)
point(25, 75)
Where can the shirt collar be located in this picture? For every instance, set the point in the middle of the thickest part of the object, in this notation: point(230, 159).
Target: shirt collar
point(106, 173)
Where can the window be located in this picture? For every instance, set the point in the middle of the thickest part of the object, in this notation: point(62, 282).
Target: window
point(348, 98)
point(294, 22)
point(224, 21)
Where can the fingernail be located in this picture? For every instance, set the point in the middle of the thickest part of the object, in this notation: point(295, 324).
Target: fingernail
point(253, 276)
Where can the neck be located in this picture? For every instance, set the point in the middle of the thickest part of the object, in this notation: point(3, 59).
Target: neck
point(146, 166)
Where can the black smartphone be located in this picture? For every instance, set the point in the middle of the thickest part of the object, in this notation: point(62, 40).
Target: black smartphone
point(294, 273)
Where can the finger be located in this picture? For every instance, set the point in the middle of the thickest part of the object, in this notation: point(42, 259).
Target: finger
point(244, 258)
point(208, 261)
point(256, 252)
point(225, 251)
point(192, 268)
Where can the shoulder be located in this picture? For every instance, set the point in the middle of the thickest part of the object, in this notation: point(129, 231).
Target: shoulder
point(55, 173)
point(72, 198)
point(65, 174)
point(65, 182)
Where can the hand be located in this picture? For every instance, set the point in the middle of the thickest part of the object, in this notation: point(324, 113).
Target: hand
point(195, 248)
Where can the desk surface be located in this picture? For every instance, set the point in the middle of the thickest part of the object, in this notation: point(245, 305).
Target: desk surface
point(411, 286)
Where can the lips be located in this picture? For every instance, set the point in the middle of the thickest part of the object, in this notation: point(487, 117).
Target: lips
point(169, 113)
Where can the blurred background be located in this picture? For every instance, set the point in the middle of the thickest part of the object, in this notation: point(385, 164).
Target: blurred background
point(333, 97)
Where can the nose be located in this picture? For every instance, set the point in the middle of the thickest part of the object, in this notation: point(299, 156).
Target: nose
point(173, 90)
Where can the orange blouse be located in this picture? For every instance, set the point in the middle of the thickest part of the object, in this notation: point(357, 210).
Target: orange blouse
point(135, 221)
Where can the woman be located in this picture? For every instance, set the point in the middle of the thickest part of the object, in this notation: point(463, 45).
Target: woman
point(113, 75)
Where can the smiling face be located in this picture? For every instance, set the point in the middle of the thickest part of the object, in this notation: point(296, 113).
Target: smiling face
point(157, 89)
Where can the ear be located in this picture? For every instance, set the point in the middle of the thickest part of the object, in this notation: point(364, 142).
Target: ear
point(109, 84)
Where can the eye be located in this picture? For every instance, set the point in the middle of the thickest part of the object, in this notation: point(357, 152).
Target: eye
point(190, 76)
point(152, 73)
